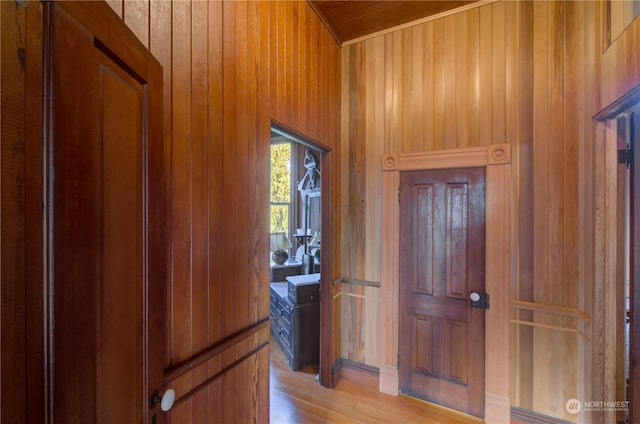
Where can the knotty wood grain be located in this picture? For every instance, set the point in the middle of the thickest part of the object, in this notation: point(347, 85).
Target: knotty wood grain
point(34, 217)
point(13, 265)
point(200, 80)
point(604, 75)
point(257, 61)
point(179, 301)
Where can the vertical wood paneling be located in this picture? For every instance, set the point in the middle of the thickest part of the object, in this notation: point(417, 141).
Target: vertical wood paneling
point(200, 200)
point(359, 304)
point(418, 98)
point(229, 68)
point(439, 85)
point(541, 181)
point(449, 69)
point(571, 191)
point(606, 76)
point(34, 321)
point(587, 95)
point(313, 106)
point(473, 78)
point(512, 57)
point(136, 14)
point(553, 340)
point(214, 184)
point(160, 47)
point(117, 6)
point(485, 69)
point(406, 91)
point(428, 87)
point(303, 74)
point(345, 133)
point(181, 294)
point(230, 207)
point(522, 287)
point(13, 261)
point(391, 100)
point(244, 169)
point(530, 74)
point(462, 79)
point(499, 74)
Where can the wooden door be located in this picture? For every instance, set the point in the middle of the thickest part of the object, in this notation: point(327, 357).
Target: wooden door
point(442, 245)
point(633, 395)
point(105, 215)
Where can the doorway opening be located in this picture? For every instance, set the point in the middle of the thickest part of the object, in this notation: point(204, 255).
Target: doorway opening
point(296, 219)
point(618, 127)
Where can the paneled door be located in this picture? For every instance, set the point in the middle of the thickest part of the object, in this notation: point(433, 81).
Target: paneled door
point(442, 257)
point(105, 218)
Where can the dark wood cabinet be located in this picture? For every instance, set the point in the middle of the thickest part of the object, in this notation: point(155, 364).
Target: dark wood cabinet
point(295, 318)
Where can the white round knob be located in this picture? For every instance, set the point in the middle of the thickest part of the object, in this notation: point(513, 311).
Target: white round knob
point(474, 296)
point(167, 400)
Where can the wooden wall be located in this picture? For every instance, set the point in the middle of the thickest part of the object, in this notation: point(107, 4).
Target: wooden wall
point(230, 68)
point(445, 84)
point(531, 74)
point(22, 392)
point(618, 74)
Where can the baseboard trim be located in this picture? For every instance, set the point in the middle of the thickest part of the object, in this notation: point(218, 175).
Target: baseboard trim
point(524, 416)
point(358, 372)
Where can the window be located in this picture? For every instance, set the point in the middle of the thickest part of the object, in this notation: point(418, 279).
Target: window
point(281, 187)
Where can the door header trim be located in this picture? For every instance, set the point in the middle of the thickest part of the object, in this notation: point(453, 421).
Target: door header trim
point(493, 154)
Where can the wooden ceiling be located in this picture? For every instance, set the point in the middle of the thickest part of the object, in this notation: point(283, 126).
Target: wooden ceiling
point(352, 20)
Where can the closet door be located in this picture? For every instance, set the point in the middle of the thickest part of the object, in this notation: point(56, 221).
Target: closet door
point(105, 218)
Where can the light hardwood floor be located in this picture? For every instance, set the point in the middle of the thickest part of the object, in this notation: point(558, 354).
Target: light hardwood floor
point(297, 398)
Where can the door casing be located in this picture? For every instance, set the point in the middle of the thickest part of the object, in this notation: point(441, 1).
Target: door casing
point(497, 160)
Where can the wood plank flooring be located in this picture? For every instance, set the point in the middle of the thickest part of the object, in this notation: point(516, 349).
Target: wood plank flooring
point(297, 398)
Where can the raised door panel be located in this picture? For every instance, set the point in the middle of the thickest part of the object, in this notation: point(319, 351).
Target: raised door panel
point(106, 214)
point(441, 342)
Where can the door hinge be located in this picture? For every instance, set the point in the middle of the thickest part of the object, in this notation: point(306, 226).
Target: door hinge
point(398, 361)
point(398, 194)
point(625, 156)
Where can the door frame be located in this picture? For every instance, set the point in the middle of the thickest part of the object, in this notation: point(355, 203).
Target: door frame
point(608, 252)
point(498, 256)
point(328, 339)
